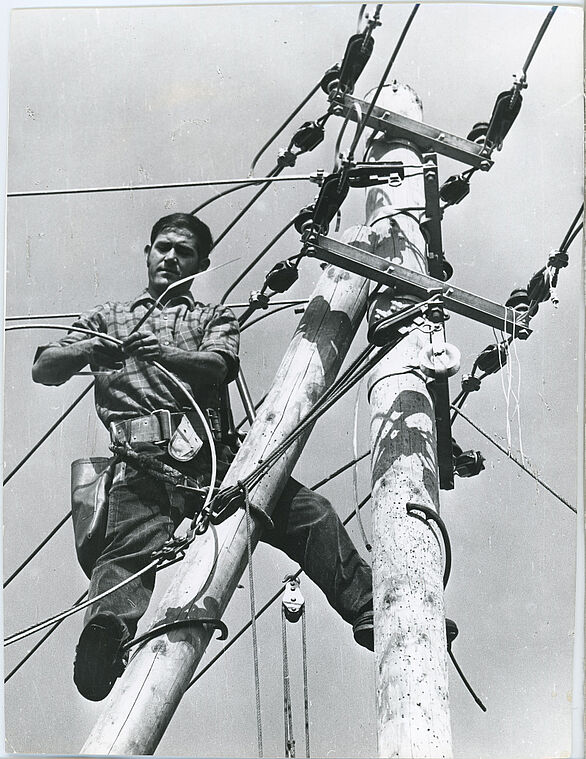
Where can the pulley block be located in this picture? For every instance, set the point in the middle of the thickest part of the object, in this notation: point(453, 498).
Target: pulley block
point(293, 600)
point(282, 276)
point(454, 189)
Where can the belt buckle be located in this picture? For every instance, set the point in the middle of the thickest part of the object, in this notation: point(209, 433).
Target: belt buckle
point(163, 416)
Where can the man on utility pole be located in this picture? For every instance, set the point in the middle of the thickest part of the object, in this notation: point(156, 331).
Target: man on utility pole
point(145, 413)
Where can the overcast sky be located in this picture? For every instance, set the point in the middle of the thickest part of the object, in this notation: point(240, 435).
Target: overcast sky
point(127, 96)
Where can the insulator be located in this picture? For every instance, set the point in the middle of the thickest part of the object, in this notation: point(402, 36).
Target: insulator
point(282, 276)
point(303, 217)
point(505, 111)
point(308, 136)
point(492, 358)
point(519, 299)
point(468, 463)
point(439, 359)
point(478, 132)
point(470, 383)
point(447, 270)
point(454, 189)
point(330, 79)
point(330, 198)
point(538, 288)
point(358, 51)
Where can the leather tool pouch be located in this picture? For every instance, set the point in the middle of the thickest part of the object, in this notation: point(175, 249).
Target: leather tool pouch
point(90, 484)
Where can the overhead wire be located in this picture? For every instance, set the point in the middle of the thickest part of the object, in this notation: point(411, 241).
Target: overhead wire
point(283, 126)
point(41, 545)
point(538, 39)
point(514, 459)
point(272, 177)
point(39, 643)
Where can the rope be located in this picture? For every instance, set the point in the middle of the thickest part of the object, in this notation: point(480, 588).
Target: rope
point(253, 620)
point(394, 54)
point(266, 606)
point(173, 185)
point(222, 194)
point(566, 241)
point(305, 686)
point(32, 555)
point(287, 710)
point(516, 460)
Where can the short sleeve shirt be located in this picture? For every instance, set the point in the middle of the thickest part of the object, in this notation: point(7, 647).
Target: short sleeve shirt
point(139, 388)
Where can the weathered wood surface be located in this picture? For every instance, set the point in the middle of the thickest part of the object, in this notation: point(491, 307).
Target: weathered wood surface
point(410, 643)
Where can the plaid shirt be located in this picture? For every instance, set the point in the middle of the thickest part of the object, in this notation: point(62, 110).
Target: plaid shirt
point(140, 388)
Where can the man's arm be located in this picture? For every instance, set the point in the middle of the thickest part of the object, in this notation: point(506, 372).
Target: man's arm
point(199, 368)
point(55, 364)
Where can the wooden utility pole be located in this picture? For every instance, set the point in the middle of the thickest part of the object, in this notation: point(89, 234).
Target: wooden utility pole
point(410, 640)
point(141, 705)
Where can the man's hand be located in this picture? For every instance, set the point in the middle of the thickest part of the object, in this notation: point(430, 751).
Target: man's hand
point(143, 345)
point(105, 353)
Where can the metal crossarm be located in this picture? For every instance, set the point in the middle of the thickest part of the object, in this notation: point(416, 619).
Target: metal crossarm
point(426, 137)
point(380, 270)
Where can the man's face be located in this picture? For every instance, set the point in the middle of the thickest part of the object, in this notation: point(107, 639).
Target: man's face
point(172, 256)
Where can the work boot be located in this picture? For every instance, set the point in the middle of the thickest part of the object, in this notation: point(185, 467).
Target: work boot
point(363, 629)
point(99, 656)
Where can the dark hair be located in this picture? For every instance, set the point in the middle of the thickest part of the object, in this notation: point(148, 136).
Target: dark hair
point(188, 221)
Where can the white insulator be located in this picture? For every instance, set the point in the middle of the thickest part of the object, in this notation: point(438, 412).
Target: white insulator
point(439, 359)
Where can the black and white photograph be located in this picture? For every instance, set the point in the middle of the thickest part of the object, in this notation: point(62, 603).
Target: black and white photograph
point(293, 398)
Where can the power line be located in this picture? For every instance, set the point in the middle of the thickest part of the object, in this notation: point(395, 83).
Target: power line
point(515, 459)
point(172, 185)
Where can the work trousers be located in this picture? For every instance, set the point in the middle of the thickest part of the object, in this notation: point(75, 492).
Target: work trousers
point(144, 513)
